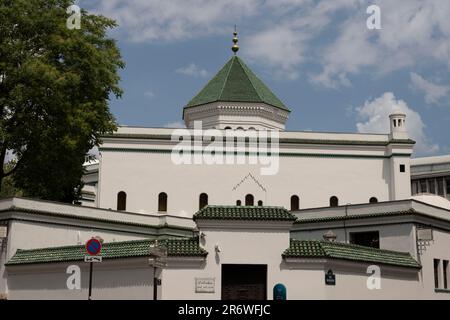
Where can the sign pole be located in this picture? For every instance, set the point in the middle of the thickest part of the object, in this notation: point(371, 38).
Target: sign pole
point(155, 284)
point(93, 248)
point(158, 256)
point(91, 266)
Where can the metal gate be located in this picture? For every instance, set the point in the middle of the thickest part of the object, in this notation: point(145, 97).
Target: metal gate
point(244, 282)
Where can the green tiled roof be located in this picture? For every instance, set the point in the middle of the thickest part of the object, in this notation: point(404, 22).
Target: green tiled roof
point(302, 220)
point(336, 250)
point(235, 82)
point(114, 250)
point(244, 213)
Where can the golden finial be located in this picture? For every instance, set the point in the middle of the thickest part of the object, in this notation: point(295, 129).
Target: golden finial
point(235, 47)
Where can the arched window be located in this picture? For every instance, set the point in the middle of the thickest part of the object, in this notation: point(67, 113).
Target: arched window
point(260, 203)
point(239, 203)
point(334, 201)
point(162, 202)
point(373, 200)
point(295, 203)
point(227, 128)
point(249, 200)
point(121, 201)
point(203, 201)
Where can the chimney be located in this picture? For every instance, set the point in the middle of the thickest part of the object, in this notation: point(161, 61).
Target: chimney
point(329, 236)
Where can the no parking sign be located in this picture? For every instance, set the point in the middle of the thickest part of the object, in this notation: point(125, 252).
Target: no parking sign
point(93, 247)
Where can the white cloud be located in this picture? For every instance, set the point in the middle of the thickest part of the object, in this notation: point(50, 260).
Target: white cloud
point(175, 125)
point(433, 92)
point(374, 118)
point(149, 94)
point(414, 31)
point(285, 34)
point(278, 47)
point(149, 20)
point(192, 70)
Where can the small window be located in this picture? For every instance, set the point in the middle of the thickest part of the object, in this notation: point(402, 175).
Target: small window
point(162, 202)
point(239, 203)
point(436, 263)
point(445, 269)
point(414, 187)
point(203, 201)
point(448, 186)
point(249, 200)
point(295, 203)
point(367, 239)
point(260, 203)
point(227, 128)
point(373, 200)
point(334, 201)
point(432, 186)
point(402, 168)
point(423, 186)
point(121, 201)
point(440, 186)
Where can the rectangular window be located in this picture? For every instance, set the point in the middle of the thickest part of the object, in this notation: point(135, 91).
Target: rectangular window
point(414, 187)
point(402, 168)
point(445, 269)
point(367, 239)
point(448, 186)
point(437, 262)
point(431, 186)
point(440, 186)
point(423, 186)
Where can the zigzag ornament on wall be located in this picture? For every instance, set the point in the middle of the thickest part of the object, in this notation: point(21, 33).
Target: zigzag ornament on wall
point(245, 178)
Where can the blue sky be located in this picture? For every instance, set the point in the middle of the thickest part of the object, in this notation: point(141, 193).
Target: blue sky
point(318, 56)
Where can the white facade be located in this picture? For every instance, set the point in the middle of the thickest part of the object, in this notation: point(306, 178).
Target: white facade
point(262, 243)
point(313, 166)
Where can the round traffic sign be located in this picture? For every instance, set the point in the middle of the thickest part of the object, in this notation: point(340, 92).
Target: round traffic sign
point(93, 247)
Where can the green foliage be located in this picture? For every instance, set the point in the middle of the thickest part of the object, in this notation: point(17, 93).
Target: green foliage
point(55, 86)
point(8, 189)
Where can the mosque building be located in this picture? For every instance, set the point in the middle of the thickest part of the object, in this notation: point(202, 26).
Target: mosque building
point(234, 206)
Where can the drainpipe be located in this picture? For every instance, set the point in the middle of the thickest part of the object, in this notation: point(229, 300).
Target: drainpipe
point(345, 219)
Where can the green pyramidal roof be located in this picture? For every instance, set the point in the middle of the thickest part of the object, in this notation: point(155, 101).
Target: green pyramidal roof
point(235, 82)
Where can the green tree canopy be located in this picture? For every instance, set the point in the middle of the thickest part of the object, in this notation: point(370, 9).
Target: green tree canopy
point(55, 86)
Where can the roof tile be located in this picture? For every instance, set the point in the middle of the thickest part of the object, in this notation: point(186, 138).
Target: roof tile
point(337, 250)
point(244, 213)
point(113, 250)
point(235, 82)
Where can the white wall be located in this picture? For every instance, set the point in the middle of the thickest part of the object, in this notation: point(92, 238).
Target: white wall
point(110, 281)
point(31, 235)
point(304, 279)
point(314, 179)
point(436, 249)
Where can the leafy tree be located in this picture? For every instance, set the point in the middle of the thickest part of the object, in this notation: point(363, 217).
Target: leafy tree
point(55, 86)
